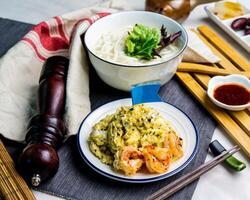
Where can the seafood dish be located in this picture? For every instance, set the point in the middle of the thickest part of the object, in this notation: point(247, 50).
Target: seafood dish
point(136, 138)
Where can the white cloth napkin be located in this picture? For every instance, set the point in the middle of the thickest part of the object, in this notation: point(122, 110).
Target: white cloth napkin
point(20, 69)
point(197, 51)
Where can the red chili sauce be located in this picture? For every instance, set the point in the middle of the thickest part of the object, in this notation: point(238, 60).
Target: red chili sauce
point(232, 94)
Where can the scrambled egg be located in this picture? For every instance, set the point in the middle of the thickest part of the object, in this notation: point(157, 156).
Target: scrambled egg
point(135, 126)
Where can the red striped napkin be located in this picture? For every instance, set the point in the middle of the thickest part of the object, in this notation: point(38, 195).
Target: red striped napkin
point(20, 69)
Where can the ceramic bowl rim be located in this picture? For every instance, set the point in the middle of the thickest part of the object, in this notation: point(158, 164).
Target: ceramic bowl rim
point(180, 51)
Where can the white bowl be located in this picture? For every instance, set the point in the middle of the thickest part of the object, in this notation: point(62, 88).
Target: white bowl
point(221, 80)
point(122, 76)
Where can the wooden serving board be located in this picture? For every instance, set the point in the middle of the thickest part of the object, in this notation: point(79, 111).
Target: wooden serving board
point(235, 123)
point(12, 185)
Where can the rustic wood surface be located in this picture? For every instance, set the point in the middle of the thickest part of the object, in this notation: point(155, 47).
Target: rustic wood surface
point(12, 185)
point(236, 124)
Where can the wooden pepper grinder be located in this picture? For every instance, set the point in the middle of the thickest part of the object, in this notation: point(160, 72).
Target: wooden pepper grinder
point(45, 132)
point(175, 9)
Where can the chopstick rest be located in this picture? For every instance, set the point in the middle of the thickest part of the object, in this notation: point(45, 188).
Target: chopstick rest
point(235, 164)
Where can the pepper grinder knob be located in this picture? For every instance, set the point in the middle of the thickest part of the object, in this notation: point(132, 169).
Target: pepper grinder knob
point(36, 180)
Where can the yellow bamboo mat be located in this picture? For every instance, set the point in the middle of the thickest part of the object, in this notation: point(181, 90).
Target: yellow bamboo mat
point(12, 185)
point(236, 124)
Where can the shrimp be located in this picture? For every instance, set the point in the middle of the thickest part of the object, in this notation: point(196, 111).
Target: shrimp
point(157, 159)
point(174, 143)
point(129, 160)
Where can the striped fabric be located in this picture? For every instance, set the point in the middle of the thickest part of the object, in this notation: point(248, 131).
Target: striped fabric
point(52, 37)
point(20, 70)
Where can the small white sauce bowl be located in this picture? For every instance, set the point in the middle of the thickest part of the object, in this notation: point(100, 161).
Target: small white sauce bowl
point(221, 80)
point(122, 76)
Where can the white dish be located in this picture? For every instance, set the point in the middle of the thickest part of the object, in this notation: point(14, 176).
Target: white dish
point(243, 40)
point(179, 120)
point(221, 80)
point(122, 76)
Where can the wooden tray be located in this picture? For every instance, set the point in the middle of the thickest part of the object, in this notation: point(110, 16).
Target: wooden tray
point(236, 124)
point(12, 185)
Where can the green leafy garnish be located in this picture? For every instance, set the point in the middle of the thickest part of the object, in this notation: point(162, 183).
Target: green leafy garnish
point(142, 41)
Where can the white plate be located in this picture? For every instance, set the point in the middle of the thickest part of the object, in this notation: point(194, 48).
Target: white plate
point(178, 119)
point(243, 40)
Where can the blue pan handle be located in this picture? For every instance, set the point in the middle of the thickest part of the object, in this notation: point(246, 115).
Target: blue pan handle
point(145, 93)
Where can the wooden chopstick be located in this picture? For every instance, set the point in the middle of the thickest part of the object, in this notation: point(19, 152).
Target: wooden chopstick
point(208, 70)
point(181, 182)
point(241, 117)
point(222, 117)
point(225, 48)
point(230, 59)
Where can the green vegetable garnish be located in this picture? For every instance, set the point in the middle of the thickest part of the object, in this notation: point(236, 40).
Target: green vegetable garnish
point(142, 41)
